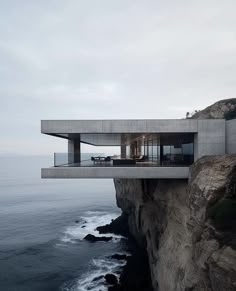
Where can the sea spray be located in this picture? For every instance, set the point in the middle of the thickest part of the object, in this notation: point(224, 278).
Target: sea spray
point(87, 224)
point(93, 278)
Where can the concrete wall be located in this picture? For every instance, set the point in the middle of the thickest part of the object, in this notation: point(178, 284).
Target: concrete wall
point(231, 136)
point(116, 172)
point(210, 139)
point(118, 126)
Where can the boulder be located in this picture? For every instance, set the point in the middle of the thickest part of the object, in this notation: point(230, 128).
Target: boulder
point(111, 279)
point(93, 238)
point(118, 226)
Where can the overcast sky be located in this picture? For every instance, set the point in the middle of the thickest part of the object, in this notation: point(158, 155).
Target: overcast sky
point(83, 59)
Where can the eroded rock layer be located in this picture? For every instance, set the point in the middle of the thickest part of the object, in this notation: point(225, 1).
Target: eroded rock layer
point(187, 227)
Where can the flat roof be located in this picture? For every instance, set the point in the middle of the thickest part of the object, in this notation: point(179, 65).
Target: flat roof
point(118, 126)
point(123, 125)
point(112, 132)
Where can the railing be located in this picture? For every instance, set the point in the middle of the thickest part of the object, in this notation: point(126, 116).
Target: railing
point(65, 159)
point(101, 159)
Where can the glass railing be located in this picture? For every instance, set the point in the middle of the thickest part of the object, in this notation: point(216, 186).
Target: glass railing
point(101, 159)
point(65, 159)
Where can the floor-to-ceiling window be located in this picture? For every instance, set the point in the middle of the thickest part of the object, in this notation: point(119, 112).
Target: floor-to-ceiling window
point(177, 149)
point(162, 149)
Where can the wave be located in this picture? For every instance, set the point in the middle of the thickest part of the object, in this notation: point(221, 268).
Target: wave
point(94, 279)
point(87, 224)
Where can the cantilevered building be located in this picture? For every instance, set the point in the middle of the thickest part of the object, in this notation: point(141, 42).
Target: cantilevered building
point(148, 148)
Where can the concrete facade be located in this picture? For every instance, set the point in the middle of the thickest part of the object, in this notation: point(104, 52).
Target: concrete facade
point(231, 136)
point(116, 172)
point(118, 126)
point(211, 137)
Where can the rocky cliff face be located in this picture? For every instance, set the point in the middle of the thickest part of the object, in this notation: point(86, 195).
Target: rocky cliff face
point(223, 109)
point(187, 227)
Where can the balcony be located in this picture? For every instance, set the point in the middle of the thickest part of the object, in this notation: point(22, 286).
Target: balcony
point(105, 166)
point(106, 160)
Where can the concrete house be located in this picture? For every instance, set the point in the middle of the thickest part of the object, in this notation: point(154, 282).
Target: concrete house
point(148, 148)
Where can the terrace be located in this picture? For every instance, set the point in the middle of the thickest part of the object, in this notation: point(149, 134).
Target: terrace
point(135, 150)
point(141, 148)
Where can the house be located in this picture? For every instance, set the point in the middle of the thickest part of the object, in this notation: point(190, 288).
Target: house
point(154, 148)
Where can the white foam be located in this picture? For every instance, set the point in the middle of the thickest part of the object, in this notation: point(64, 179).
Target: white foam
point(98, 268)
point(87, 225)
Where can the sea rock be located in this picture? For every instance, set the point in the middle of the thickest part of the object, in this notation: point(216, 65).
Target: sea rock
point(111, 279)
point(93, 238)
point(117, 226)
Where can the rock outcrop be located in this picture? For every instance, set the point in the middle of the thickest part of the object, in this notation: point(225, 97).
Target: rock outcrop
point(93, 238)
point(187, 227)
point(118, 226)
point(223, 109)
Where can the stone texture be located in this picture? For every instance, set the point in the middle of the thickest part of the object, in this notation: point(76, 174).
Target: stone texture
point(111, 279)
point(219, 110)
point(93, 238)
point(187, 227)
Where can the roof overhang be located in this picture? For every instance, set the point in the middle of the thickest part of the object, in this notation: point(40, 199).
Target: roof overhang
point(69, 127)
point(115, 132)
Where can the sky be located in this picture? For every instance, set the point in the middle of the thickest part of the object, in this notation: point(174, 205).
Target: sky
point(106, 59)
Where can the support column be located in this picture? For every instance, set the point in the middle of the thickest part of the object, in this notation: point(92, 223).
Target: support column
point(74, 154)
point(77, 154)
point(139, 148)
point(133, 149)
point(123, 151)
point(161, 154)
point(123, 147)
point(195, 147)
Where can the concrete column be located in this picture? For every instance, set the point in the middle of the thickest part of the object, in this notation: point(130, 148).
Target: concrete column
point(231, 136)
point(70, 151)
point(161, 153)
point(133, 149)
point(195, 147)
point(74, 154)
point(139, 148)
point(123, 147)
point(77, 154)
point(123, 151)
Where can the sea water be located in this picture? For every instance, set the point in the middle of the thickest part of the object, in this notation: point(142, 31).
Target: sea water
point(42, 226)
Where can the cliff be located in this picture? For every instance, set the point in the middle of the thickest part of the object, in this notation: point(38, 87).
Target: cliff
point(187, 227)
point(223, 109)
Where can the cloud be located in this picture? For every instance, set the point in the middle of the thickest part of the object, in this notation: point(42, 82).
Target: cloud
point(111, 59)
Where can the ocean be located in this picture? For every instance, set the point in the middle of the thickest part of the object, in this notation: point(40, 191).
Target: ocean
point(42, 226)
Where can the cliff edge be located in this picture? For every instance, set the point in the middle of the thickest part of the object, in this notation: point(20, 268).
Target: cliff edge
point(187, 227)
